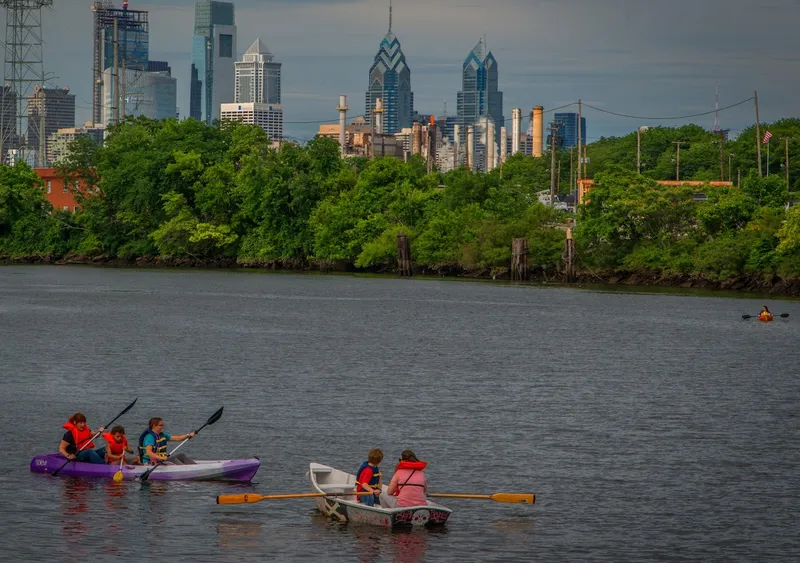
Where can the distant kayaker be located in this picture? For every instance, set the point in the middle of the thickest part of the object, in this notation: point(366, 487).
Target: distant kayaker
point(408, 485)
point(368, 477)
point(153, 444)
point(77, 444)
point(765, 314)
point(117, 446)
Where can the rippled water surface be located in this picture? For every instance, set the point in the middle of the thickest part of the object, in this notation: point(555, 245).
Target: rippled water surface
point(650, 427)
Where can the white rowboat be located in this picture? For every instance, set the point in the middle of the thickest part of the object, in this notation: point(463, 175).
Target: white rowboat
point(343, 505)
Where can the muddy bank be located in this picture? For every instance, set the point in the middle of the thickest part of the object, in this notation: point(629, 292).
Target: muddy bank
point(744, 283)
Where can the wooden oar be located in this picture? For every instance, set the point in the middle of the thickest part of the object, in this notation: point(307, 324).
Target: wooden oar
point(89, 441)
point(245, 499)
point(784, 315)
point(211, 420)
point(519, 498)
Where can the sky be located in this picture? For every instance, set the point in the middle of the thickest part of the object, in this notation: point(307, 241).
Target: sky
point(644, 58)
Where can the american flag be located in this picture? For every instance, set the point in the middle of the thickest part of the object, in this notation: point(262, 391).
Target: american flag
point(767, 137)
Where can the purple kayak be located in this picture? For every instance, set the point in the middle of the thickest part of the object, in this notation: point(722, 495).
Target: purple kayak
point(209, 470)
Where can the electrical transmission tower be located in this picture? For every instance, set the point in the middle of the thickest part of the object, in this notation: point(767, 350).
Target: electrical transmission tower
point(22, 73)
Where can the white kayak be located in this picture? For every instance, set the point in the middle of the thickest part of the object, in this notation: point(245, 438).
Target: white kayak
point(343, 505)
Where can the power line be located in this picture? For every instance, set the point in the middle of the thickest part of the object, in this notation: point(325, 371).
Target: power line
point(751, 98)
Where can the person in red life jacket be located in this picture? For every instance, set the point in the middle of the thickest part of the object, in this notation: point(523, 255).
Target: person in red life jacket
point(117, 446)
point(408, 485)
point(153, 444)
point(368, 477)
point(77, 444)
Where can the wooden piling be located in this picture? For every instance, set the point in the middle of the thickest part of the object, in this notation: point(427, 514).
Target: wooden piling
point(569, 256)
point(519, 259)
point(403, 256)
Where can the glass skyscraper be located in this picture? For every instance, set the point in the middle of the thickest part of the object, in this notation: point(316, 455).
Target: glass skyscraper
point(479, 96)
point(390, 81)
point(213, 52)
point(568, 129)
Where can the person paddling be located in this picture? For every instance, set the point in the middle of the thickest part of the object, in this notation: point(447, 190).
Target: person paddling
point(368, 477)
point(765, 314)
point(153, 444)
point(117, 446)
point(408, 485)
point(77, 444)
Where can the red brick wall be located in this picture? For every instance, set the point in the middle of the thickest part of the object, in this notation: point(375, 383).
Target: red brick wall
point(54, 192)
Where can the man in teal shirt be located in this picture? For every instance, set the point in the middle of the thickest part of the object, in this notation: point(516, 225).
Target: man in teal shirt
point(153, 444)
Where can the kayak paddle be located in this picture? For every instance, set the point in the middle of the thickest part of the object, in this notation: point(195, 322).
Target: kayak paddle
point(211, 420)
point(784, 315)
point(89, 441)
point(520, 498)
point(243, 499)
point(118, 474)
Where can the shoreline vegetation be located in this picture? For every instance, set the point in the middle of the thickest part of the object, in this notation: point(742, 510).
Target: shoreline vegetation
point(184, 194)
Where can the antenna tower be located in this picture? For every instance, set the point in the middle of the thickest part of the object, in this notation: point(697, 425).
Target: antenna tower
point(716, 109)
point(22, 73)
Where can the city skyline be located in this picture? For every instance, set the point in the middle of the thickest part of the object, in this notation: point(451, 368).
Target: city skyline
point(638, 58)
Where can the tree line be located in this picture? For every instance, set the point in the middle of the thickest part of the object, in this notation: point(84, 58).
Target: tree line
point(183, 189)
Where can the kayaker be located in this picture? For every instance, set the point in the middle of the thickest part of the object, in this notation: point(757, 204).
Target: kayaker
point(77, 444)
point(408, 485)
point(368, 477)
point(765, 314)
point(153, 444)
point(117, 446)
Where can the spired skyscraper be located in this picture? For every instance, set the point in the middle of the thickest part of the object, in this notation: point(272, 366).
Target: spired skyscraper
point(258, 76)
point(479, 96)
point(390, 81)
point(213, 55)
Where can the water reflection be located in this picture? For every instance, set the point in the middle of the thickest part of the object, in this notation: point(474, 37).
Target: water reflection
point(233, 535)
point(409, 546)
point(75, 509)
point(522, 525)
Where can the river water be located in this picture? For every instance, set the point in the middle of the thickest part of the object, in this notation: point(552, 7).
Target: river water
point(650, 426)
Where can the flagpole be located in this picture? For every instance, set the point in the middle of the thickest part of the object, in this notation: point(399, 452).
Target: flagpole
point(768, 158)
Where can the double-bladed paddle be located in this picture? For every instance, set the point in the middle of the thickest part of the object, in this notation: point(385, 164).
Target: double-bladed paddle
point(784, 315)
point(211, 420)
point(89, 441)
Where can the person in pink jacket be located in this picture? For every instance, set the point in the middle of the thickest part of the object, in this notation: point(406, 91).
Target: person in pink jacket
point(409, 484)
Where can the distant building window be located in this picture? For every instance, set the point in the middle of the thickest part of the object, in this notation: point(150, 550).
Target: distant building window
point(49, 186)
point(75, 209)
point(66, 208)
point(226, 46)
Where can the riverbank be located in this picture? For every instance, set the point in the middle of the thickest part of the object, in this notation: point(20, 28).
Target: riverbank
point(746, 283)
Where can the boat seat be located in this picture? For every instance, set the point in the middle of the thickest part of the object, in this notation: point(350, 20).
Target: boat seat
point(323, 470)
point(335, 487)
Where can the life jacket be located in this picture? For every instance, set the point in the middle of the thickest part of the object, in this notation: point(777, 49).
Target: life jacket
point(373, 482)
point(82, 437)
point(765, 316)
point(115, 451)
point(160, 447)
point(414, 466)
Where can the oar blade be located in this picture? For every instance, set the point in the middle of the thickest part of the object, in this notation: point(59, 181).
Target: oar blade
point(747, 316)
point(215, 417)
point(239, 499)
point(118, 476)
point(784, 315)
point(518, 498)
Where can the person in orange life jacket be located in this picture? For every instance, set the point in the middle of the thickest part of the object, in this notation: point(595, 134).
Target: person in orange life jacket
point(153, 444)
point(77, 444)
point(408, 485)
point(117, 445)
point(368, 477)
point(765, 313)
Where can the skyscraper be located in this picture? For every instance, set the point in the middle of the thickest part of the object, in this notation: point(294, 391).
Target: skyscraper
point(132, 42)
point(213, 51)
point(57, 107)
point(479, 96)
point(390, 81)
point(568, 129)
point(258, 76)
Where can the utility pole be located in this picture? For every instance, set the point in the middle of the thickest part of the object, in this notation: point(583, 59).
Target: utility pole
point(721, 157)
point(553, 130)
point(571, 172)
point(730, 157)
point(786, 158)
point(115, 97)
point(580, 107)
point(678, 160)
point(758, 135)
